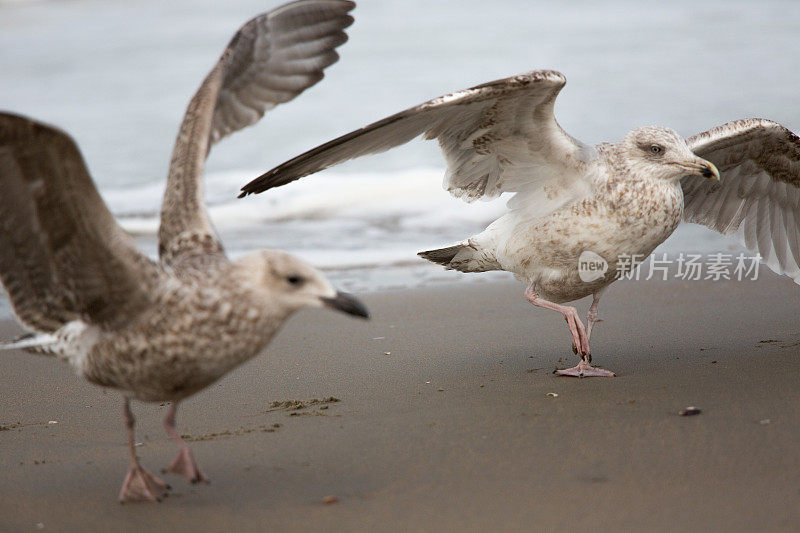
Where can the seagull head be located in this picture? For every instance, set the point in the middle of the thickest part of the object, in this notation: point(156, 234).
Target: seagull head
point(661, 153)
point(291, 284)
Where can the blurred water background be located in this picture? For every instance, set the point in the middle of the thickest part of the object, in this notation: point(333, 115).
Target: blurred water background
point(117, 76)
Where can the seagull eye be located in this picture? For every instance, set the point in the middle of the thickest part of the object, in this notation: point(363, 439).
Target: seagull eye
point(295, 280)
point(656, 149)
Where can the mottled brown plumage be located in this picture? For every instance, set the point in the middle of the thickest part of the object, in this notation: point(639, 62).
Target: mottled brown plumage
point(161, 331)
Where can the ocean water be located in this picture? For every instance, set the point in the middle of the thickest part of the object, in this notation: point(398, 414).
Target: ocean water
point(118, 74)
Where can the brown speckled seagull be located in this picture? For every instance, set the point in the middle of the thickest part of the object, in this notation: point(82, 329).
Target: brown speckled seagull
point(614, 202)
point(160, 332)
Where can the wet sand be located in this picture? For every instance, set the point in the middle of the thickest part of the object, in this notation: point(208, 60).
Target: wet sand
point(445, 422)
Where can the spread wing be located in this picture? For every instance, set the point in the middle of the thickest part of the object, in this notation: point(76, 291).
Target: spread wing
point(62, 255)
point(271, 59)
point(497, 137)
point(758, 197)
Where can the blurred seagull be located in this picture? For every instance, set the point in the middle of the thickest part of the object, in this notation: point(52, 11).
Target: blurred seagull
point(607, 204)
point(161, 332)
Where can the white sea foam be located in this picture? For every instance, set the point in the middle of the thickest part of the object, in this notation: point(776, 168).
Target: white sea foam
point(410, 197)
point(361, 219)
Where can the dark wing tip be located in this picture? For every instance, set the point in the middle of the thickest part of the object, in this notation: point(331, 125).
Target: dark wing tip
point(262, 183)
point(254, 187)
point(347, 21)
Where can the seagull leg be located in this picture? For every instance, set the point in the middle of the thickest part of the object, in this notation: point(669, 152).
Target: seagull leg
point(139, 484)
point(584, 369)
point(591, 317)
point(580, 339)
point(570, 315)
point(184, 464)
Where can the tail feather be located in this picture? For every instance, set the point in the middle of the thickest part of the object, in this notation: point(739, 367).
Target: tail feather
point(464, 257)
point(442, 256)
point(40, 343)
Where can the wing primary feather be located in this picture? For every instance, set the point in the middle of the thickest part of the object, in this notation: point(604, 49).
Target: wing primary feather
point(480, 130)
point(270, 60)
point(759, 191)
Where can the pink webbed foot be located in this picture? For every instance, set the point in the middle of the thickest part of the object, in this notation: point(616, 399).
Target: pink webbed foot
point(142, 486)
point(585, 370)
point(185, 465)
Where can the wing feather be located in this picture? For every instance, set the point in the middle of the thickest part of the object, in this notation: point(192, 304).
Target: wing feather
point(750, 238)
point(272, 58)
point(64, 257)
point(759, 195)
point(496, 137)
point(793, 234)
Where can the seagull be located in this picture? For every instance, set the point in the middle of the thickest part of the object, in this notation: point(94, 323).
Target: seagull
point(610, 203)
point(160, 332)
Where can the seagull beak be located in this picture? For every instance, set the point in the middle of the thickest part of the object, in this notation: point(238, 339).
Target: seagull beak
point(346, 303)
point(701, 167)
